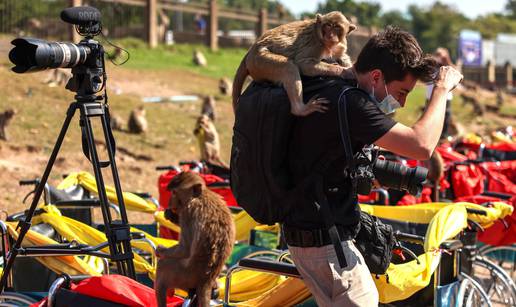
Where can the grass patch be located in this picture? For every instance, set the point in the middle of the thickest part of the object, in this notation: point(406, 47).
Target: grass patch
point(223, 62)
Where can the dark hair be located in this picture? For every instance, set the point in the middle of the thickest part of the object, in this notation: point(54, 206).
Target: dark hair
point(396, 53)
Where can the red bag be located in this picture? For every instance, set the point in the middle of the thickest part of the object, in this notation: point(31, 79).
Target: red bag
point(118, 289)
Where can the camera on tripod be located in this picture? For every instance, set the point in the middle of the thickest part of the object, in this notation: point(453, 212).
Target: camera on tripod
point(389, 174)
point(85, 58)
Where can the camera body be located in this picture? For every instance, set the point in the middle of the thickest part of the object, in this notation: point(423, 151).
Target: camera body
point(389, 174)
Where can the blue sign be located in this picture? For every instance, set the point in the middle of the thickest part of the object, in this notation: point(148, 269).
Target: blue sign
point(470, 47)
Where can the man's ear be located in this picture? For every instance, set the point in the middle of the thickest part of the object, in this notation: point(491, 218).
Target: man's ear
point(197, 190)
point(376, 76)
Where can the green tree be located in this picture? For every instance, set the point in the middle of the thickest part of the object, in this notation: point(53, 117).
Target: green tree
point(437, 26)
point(367, 13)
point(395, 18)
point(511, 7)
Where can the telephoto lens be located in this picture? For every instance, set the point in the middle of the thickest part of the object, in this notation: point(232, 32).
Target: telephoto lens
point(31, 55)
point(400, 177)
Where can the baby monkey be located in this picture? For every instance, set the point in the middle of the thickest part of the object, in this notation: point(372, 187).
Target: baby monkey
point(284, 53)
point(207, 236)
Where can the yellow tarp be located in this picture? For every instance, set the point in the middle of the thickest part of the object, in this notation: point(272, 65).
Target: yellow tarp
point(446, 220)
point(86, 180)
point(73, 265)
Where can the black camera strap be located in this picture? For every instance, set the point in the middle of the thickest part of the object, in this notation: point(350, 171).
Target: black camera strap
point(344, 134)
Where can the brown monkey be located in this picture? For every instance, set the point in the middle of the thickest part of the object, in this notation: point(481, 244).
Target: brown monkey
point(137, 122)
point(208, 107)
point(58, 76)
point(116, 122)
point(199, 59)
point(225, 86)
point(208, 138)
point(281, 54)
point(5, 120)
point(207, 236)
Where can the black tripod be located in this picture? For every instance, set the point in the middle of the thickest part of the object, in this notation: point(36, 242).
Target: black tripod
point(86, 82)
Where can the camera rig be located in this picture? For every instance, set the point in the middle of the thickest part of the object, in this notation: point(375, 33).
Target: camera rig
point(88, 70)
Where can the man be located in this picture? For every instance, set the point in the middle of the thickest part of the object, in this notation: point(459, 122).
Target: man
point(387, 68)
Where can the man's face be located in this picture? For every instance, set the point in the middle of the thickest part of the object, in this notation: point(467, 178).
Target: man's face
point(398, 89)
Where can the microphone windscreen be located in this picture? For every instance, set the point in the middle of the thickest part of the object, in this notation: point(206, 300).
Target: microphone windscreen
point(80, 15)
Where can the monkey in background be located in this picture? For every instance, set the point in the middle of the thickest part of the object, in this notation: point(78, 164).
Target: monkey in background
point(207, 236)
point(225, 86)
point(209, 143)
point(137, 122)
point(5, 120)
point(208, 107)
point(282, 54)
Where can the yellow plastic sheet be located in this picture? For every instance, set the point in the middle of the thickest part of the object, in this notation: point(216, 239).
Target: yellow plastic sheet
point(72, 265)
point(424, 213)
point(290, 292)
point(74, 230)
point(132, 201)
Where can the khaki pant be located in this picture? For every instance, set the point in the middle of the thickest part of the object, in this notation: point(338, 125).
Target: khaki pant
point(331, 285)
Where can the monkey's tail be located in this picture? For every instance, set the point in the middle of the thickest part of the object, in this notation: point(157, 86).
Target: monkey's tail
point(238, 82)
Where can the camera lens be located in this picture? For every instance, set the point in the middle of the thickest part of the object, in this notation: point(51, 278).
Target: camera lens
point(397, 176)
point(30, 55)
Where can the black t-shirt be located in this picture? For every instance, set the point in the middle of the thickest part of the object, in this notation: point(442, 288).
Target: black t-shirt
point(317, 134)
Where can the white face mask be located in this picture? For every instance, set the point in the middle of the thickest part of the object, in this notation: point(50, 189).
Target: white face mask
point(389, 104)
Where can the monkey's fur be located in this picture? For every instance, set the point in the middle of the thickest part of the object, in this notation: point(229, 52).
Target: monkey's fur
point(281, 54)
point(208, 107)
point(137, 122)
point(116, 122)
point(5, 120)
point(207, 236)
point(225, 86)
point(208, 139)
point(199, 59)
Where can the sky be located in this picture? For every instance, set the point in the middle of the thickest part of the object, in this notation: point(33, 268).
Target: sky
point(470, 8)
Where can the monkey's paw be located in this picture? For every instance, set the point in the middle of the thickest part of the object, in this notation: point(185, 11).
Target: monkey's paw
point(161, 251)
point(315, 104)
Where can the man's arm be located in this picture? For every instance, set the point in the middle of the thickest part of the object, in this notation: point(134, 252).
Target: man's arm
point(420, 140)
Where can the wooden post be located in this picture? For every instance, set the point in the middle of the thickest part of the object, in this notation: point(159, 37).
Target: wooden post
point(491, 73)
point(213, 28)
point(508, 75)
point(74, 36)
point(262, 22)
point(151, 26)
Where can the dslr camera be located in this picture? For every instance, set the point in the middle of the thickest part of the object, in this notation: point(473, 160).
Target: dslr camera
point(85, 58)
point(389, 174)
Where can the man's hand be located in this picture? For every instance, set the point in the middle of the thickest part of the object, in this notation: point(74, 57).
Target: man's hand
point(448, 78)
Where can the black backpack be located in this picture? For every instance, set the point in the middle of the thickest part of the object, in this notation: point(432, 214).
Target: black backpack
point(260, 179)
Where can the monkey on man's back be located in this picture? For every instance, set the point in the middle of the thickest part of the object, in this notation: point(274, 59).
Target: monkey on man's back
point(282, 54)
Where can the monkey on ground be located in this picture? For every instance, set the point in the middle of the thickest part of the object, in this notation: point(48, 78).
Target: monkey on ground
point(199, 59)
point(225, 86)
point(116, 122)
point(208, 139)
point(137, 122)
point(207, 236)
point(282, 54)
point(208, 107)
point(5, 120)
point(58, 77)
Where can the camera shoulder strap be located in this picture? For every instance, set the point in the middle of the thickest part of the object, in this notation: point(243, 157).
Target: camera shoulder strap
point(344, 133)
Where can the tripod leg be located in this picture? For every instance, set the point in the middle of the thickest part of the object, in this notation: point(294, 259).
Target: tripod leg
point(118, 188)
point(117, 234)
point(25, 224)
